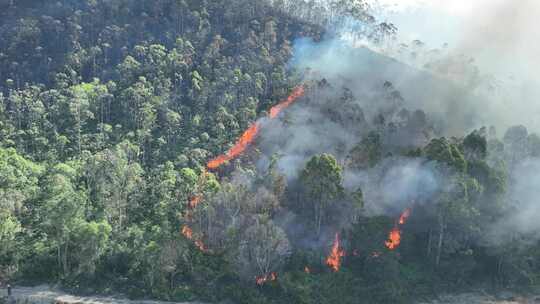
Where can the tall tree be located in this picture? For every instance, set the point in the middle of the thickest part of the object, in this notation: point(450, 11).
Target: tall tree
point(321, 180)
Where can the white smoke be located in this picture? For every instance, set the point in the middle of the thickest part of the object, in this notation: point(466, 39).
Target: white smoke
point(500, 38)
point(522, 197)
point(396, 184)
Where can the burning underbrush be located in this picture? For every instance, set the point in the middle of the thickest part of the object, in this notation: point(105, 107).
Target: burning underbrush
point(267, 214)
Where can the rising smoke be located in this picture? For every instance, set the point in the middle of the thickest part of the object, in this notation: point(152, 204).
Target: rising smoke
point(353, 90)
point(486, 78)
point(491, 47)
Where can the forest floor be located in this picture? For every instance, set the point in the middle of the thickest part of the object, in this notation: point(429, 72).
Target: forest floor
point(46, 295)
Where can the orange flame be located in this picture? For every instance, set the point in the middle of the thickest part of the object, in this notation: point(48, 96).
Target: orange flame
point(307, 270)
point(194, 201)
point(394, 239)
point(298, 92)
point(334, 259)
point(251, 133)
point(245, 140)
point(188, 233)
point(200, 245)
point(265, 278)
point(404, 216)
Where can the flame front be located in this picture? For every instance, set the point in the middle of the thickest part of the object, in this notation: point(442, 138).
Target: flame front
point(200, 245)
point(188, 233)
point(298, 92)
point(334, 259)
point(245, 140)
point(307, 270)
point(251, 133)
point(394, 237)
point(404, 216)
point(265, 278)
point(194, 201)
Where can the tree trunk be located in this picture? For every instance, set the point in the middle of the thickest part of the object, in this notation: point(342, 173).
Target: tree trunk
point(500, 274)
point(318, 217)
point(59, 255)
point(440, 241)
point(65, 259)
point(430, 239)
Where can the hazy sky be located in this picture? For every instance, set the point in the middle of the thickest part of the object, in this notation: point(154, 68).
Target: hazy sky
point(501, 34)
point(453, 7)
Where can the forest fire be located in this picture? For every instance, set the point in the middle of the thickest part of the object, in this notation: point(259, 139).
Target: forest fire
point(334, 259)
point(266, 278)
point(307, 270)
point(245, 140)
point(200, 245)
point(404, 216)
point(394, 237)
point(194, 201)
point(251, 133)
point(296, 93)
point(188, 233)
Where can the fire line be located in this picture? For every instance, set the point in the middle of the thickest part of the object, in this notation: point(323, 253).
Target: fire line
point(249, 136)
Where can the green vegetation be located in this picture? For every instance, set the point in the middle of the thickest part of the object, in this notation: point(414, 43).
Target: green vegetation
point(109, 111)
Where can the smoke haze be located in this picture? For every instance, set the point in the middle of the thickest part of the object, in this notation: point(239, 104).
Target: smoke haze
point(501, 37)
point(423, 94)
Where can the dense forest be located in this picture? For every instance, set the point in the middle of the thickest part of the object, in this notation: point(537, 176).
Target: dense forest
point(110, 111)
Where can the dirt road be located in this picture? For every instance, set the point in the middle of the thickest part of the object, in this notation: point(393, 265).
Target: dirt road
point(46, 295)
point(478, 298)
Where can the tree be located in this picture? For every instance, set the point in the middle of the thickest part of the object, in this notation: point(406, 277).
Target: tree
point(475, 146)
point(114, 179)
point(367, 153)
point(9, 228)
point(62, 211)
point(263, 248)
point(18, 190)
point(90, 242)
point(515, 144)
point(446, 153)
point(321, 182)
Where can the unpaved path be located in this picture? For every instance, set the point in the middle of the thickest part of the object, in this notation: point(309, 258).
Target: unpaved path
point(478, 298)
point(46, 295)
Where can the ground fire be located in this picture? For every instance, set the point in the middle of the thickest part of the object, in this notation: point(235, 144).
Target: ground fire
point(245, 140)
point(404, 216)
point(188, 233)
point(194, 201)
point(334, 259)
point(251, 133)
point(266, 278)
point(296, 93)
point(394, 237)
